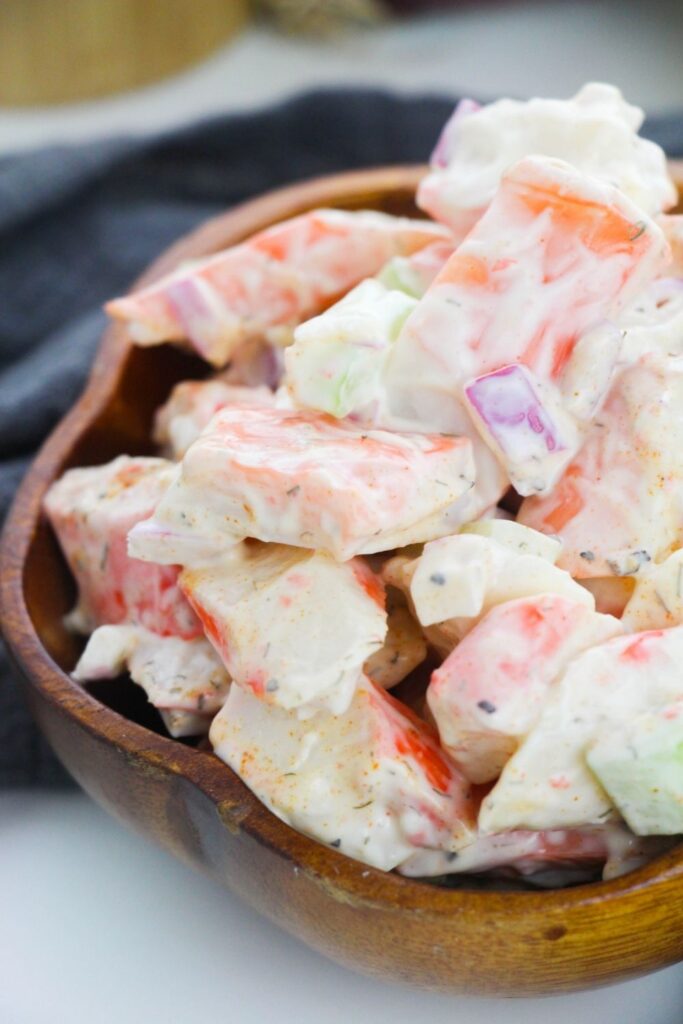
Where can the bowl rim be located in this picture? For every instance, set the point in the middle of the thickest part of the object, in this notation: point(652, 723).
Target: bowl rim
point(238, 807)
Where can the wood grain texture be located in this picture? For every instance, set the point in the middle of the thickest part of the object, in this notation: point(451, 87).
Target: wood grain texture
point(468, 941)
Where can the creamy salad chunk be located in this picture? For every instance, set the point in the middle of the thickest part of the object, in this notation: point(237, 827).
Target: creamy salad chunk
point(287, 477)
point(92, 511)
point(490, 691)
point(293, 626)
point(556, 253)
point(596, 131)
point(617, 506)
point(371, 783)
point(547, 783)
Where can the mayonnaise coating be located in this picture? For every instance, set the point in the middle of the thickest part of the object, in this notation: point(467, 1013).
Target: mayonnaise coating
point(547, 783)
point(286, 477)
point(183, 679)
point(372, 783)
point(291, 625)
point(596, 131)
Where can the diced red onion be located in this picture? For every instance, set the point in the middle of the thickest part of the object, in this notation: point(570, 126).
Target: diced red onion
point(513, 413)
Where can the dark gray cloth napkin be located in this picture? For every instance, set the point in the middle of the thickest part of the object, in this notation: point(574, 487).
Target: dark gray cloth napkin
point(77, 224)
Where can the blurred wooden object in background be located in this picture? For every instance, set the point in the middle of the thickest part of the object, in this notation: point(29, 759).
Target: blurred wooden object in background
point(59, 51)
point(322, 17)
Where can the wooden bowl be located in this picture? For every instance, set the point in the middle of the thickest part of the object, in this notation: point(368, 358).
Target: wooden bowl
point(514, 943)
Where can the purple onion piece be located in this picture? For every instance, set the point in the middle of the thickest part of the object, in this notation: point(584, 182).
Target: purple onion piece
point(511, 411)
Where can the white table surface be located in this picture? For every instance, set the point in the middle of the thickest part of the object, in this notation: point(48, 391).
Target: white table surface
point(98, 926)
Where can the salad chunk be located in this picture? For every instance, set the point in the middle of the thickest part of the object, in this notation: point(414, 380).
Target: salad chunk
point(286, 476)
point(372, 783)
point(293, 626)
point(596, 131)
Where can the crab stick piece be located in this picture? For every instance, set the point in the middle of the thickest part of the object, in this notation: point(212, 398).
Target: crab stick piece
point(190, 407)
point(488, 694)
point(291, 625)
point(556, 253)
point(183, 679)
point(596, 131)
point(617, 506)
point(304, 479)
point(521, 853)
point(371, 783)
point(547, 784)
point(274, 280)
point(403, 650)
point(92, 511)
point(549, 859)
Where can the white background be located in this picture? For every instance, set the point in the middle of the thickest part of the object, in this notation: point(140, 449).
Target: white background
point(98, 926)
